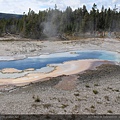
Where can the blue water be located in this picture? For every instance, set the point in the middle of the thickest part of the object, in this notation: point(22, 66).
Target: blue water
point(42, 61)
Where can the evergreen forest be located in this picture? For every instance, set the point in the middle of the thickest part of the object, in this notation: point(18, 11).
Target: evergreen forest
point(55, 22)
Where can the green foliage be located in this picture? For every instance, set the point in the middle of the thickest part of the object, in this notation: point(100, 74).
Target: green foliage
point(53, 22)
point(96, 84)
point(109, 111)
point(64, 106)
point(92, 107)
point(95, 91)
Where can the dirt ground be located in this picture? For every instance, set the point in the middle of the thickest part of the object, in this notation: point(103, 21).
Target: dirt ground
point(93, 92)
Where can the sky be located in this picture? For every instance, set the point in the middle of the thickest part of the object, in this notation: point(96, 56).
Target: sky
point(20, 6)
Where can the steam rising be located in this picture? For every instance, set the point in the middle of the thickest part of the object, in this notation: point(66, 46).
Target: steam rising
point(51, 25)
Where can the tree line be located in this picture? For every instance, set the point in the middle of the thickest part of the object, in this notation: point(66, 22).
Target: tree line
point(54, 22)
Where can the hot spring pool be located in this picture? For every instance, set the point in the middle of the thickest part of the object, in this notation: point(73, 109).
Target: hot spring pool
point(41, 61)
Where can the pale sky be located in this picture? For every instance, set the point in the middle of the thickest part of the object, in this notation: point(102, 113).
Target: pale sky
point(20, 6)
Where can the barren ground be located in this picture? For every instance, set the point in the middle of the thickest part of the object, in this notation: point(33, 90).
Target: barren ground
point(95, 91)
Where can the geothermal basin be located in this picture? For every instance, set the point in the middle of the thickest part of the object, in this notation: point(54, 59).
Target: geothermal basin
point(31, 69)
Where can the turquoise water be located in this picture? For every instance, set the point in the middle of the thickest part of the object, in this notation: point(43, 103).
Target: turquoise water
point(42, 61)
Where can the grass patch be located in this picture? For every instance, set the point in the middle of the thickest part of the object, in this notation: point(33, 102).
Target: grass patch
point(64, 106)
point(99, 102)
point(95, 91)
point(79, 99)
point(96, 85)
point(109, 111)
point(92, 107)
point(87, 86)
point(116, 90)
